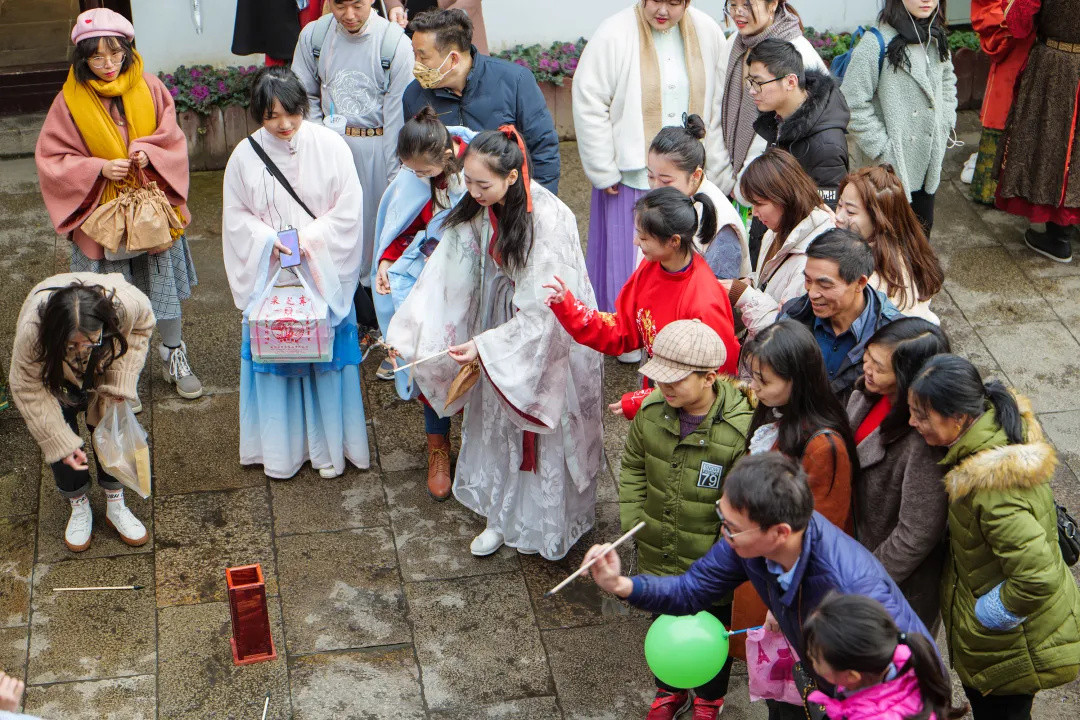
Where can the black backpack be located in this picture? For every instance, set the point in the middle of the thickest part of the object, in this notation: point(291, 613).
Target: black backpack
point(1068, 536)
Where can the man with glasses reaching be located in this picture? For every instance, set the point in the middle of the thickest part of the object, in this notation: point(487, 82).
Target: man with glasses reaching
point(685, 438)
point(792, 556)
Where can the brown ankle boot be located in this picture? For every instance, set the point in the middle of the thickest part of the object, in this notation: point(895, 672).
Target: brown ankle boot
point(438, 473)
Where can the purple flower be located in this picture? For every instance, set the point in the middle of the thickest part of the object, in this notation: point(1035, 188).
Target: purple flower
point(200, 93)
point(222, 86)
point(570, 65)
point(174, 91)
point(569, 48)
point(196, 73)
point(522, 63)
point(170, 79)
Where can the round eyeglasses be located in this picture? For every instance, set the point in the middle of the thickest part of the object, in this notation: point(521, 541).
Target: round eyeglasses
point(99, 62)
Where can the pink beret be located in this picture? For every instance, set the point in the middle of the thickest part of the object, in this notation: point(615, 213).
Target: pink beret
point(101, 22)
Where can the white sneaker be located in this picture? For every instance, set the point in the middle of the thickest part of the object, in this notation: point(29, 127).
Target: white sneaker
point(631, 358)
point(328, 473)
point(486, 543)
point(120, 518)
point(968, 173)
point(80, 524)
point(178, 372)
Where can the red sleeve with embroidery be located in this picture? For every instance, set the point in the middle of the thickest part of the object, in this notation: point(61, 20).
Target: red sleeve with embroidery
point(713, 315)
point(631, 402)
point(610, 333)
point(398, 246)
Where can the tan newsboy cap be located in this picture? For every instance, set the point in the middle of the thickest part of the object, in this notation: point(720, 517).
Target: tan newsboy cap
point(683, 347)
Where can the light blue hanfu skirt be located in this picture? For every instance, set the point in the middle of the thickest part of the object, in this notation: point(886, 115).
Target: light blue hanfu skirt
point(291, 413)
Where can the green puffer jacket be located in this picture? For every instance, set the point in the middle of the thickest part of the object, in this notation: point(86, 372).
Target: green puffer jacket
point(664, 483)
point(1003, 527)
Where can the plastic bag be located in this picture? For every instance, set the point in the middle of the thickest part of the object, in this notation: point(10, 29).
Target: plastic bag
point(121, 448)
point(769, 663)
point(291, 324)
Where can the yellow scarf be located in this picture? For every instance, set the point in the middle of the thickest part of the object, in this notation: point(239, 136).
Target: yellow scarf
point(650, 73)
point(96, 126)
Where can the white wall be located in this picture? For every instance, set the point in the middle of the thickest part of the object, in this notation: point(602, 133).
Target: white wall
point(166, 35)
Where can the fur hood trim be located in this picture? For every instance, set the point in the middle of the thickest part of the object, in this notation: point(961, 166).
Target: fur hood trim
point(824, 109)
point(1008, 467)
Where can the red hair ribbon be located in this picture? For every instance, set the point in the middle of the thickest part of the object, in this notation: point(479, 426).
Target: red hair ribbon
point(512, 133)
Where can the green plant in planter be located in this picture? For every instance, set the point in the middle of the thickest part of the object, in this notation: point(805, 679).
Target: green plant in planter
point(552, 64)
point(963, 39)
point(203, 87)
point(828, 44)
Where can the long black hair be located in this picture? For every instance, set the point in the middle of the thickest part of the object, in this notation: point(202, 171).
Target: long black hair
point(913, 341)
point(682, 144)
point(895, 14)
point(855, 632)
point(424, 136)
point(953, 387)
point(502, 156)
point(77, 308)
point(665, 212)
point(790, 349)
point(88, 48)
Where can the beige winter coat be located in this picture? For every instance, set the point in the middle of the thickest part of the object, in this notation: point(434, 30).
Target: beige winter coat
point(40, 409)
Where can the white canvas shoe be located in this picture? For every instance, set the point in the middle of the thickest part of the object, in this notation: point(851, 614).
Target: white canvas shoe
point(630, 358)
point(486, 543)
point(80, 524)
point(120, 518)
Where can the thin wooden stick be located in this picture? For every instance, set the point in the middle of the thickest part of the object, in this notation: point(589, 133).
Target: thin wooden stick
point(114, 587)
point(266, 706)
point(589, 564)
point(421, 360)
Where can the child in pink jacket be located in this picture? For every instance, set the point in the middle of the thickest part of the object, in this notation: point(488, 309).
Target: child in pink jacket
point(879, 673)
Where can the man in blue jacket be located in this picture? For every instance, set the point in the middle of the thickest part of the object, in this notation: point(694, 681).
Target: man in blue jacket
point(792, 556)
point(477, 91)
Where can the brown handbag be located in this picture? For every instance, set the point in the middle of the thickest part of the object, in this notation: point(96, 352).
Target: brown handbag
point(107, 226)
point(463, 383)
point(150, 218)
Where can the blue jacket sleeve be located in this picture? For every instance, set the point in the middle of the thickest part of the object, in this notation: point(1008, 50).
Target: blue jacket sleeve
point(410, 101)
point(538, 130)
point(716, 574)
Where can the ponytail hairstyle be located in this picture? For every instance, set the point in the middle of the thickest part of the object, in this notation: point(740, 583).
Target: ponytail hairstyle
point(503, 151)
point(424, 137)
point(952, 387)
point(902, 254)
point(855, 632)
point(776, 176)
point(913, 341)
point(71, 309)
point(665, 212)
point(682, 145)
point(896, 15)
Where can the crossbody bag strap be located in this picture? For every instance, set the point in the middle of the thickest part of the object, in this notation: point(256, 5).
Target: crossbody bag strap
point(276, 172)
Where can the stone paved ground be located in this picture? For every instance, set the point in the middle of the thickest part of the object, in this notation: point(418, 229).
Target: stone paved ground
point(376, 606)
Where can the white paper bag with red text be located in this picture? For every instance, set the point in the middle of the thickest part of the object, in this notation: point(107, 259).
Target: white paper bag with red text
point(290, 324)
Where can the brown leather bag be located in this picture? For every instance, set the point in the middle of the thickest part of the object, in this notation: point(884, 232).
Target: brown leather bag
point(463, 383)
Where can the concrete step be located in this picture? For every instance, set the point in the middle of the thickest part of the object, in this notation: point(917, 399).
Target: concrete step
point(19, 133)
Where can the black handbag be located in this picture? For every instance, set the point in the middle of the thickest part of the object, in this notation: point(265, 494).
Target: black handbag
point(1068, 536)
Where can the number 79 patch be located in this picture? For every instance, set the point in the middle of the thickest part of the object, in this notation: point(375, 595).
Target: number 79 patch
point(709, 475)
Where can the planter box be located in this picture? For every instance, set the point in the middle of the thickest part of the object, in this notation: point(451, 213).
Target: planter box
point(560, 104)
point(211, 138)
point(972, 68)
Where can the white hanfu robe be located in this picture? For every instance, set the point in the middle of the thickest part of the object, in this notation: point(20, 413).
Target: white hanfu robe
point(294, 412)
point(535, 378)
point(348, 80)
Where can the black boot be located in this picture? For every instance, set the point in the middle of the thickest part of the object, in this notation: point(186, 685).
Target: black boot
point(1053, 243)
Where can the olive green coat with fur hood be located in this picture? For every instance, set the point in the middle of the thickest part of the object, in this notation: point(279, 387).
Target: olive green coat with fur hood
point(1003, 528)
point(673, 484)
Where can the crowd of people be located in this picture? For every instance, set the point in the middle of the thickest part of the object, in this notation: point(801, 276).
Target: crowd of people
point(804, 450)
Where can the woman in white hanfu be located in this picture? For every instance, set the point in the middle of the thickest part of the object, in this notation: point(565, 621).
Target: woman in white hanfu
point(531, 439)
point(294, 412)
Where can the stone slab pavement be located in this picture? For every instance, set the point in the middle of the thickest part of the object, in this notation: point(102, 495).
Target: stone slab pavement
point(376, 607)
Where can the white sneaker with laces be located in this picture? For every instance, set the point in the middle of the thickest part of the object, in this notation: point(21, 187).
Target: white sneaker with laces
point(178, 372)
point(120, 518)
point(486, 542)
point(79, 525)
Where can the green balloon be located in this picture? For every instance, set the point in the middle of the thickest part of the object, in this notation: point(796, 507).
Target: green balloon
point(686, 651)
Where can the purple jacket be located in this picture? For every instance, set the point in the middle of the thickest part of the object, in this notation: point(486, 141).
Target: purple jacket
point(896, 699)
point(830, 560)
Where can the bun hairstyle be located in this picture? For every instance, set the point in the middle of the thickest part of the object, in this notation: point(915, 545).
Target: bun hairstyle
point(682, 144)
point(71, 309)
point(665, 212)
point(425, 137)
point(502, 153)
point(952, 387)
point(855, 632)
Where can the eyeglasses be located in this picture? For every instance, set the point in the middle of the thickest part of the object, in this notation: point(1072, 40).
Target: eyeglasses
point(755, 86)
point(725, 528)
point(101, 61)
point(732, 9)
point(79, 352)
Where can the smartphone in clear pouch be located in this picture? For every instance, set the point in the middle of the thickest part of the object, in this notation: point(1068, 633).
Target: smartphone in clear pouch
point(290, 239)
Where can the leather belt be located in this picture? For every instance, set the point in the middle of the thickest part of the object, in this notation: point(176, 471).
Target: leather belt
point(1073, 48)
point(353, 131)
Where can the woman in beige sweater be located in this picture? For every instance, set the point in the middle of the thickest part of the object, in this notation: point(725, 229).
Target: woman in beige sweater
point(80, 342)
